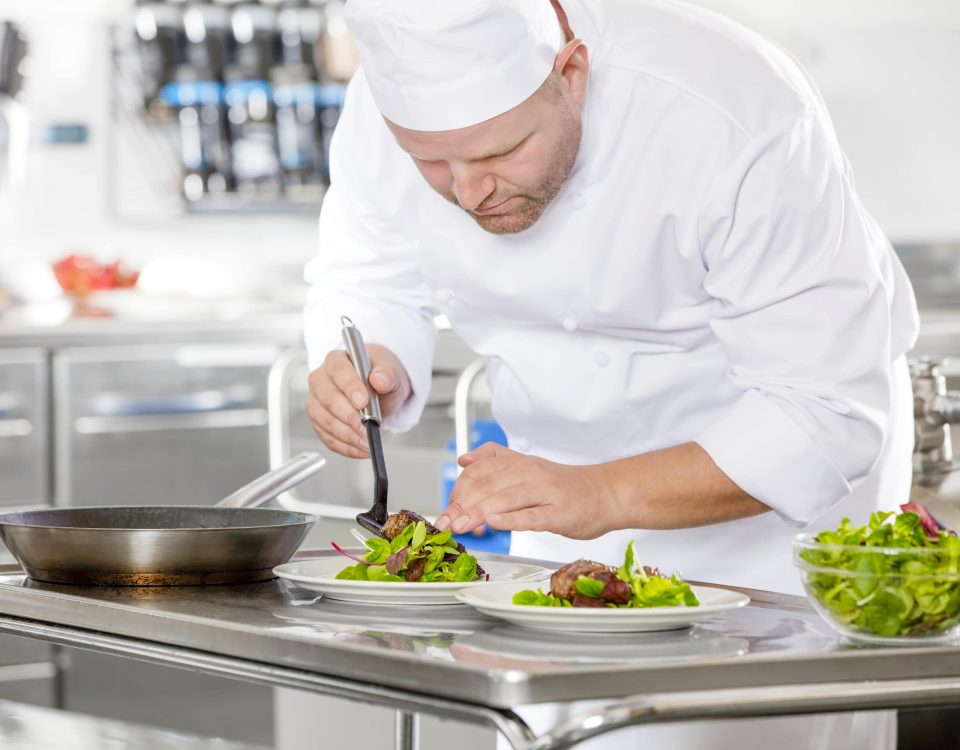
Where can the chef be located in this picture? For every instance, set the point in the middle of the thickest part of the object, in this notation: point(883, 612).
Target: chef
point(640, 214)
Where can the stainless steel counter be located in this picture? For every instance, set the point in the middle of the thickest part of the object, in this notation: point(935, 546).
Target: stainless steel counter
point(24, 328)
point(772, 657)
point(23, 726)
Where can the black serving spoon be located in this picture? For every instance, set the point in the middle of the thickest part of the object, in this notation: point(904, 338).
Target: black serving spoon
point(374, 519)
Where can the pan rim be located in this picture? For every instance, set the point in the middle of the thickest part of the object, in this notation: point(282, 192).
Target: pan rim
point(304, 518)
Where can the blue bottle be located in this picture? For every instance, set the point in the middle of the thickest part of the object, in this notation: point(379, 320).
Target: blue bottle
point(482, 431)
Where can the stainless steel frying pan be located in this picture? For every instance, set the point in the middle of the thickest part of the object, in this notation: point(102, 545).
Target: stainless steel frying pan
point(231, 542)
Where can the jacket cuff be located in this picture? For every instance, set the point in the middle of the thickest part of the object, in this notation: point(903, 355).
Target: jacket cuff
point(765, 453)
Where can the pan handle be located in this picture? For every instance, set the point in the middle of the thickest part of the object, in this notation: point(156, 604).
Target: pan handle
point(274, 482)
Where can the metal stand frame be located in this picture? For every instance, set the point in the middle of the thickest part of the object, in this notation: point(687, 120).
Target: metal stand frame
point(636, 710)
point(407, 704)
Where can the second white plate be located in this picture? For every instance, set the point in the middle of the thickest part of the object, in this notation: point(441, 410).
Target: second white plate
point(320, 575)
point(496, 600)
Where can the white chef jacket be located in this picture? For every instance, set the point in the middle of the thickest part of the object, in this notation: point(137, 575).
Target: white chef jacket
point(706, 274)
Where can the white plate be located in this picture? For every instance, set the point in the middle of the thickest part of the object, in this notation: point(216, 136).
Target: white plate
point(320, 575)
point(496, 600)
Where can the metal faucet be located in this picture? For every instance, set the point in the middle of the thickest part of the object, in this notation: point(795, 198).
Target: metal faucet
point(934, 410)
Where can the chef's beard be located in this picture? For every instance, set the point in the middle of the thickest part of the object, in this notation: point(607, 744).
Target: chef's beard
point(532, 203)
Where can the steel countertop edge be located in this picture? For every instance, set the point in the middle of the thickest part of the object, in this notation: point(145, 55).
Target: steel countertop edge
point(147, 621)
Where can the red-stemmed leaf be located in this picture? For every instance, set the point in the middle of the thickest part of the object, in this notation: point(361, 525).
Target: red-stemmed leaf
point(931, 526)
point(343, 552)
point(396, 560)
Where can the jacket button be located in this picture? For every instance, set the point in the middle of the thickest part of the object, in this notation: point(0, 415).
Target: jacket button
point(602, 359)
point(569, 322)
point(577, 201)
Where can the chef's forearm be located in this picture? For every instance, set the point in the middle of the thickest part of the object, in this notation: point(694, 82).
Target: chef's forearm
point(674, 488)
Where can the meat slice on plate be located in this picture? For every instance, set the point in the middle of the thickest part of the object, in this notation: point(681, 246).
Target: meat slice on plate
point(399, 521)
point(561, 582)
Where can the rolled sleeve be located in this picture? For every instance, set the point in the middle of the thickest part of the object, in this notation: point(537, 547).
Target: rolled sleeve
point(802, 305)
point(769, 457)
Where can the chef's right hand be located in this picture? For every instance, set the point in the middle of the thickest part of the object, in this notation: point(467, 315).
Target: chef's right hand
point(337, 395)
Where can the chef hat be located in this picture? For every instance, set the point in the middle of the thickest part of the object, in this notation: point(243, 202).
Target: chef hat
point(447, 64)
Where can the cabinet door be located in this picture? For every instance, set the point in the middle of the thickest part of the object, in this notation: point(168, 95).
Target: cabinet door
point(28, 671)
point(181, 425)
point(24, 431)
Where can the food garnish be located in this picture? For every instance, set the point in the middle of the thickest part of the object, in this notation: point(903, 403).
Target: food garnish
point(899, 575)
point(412, 550)
point(585, 583)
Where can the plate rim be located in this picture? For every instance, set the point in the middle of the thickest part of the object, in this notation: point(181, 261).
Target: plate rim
point(438, 586)
point(642, 613)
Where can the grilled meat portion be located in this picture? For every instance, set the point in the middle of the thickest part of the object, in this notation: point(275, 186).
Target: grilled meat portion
point(586, 601)
point(397, 522)
point(561, 582)
point(615, 591)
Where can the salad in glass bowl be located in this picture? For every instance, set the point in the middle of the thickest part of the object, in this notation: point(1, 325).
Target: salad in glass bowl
point(893, 581)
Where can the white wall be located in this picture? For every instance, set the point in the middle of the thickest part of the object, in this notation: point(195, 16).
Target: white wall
point(890, 72)
point(889, 69)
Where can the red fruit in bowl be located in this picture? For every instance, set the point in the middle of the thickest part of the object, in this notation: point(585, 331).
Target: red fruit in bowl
point(80, 275)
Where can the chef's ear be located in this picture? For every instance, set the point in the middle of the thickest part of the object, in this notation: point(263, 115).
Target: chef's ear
point(573, 64)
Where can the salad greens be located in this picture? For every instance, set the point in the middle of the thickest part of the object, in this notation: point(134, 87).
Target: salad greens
point(413, 555)
point(644, 588)
point(890, 578)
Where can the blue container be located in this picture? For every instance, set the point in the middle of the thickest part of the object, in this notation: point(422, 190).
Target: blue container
point(482, 431)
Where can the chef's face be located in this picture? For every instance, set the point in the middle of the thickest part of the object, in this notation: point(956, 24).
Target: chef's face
point(505, 172)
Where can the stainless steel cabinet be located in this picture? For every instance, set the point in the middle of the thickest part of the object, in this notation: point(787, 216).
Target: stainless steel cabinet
point(170, 424)
point(28, 671)
point(24, 427)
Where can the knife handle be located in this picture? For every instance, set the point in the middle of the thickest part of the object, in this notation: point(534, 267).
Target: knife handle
point(357, 352)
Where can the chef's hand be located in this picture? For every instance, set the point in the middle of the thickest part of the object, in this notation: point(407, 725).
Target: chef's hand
point(337, 395)
point(512, 491)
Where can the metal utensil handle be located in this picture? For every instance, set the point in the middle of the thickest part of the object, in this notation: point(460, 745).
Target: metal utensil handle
point(357, 352)
point(275, 482)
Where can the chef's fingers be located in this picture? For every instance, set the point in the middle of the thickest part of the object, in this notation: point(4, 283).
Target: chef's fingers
point(343, 411)
point(343, 374)
point(385, 379)
point(393, 386)
point(335, 380)
point(334, 433)
point(502, 503)
point(492, 493)
point(487, 450)
point(339, 438)
point(327, 395)
point(344, 449)
point(472, 486)
point(534, 518)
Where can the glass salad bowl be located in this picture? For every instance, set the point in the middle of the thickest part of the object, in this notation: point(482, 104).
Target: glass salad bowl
point(887, 595)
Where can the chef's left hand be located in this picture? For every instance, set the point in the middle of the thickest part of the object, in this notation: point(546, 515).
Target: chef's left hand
point(512, 491)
